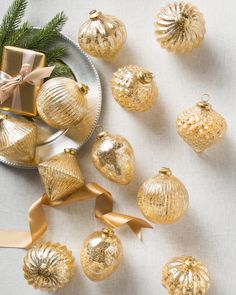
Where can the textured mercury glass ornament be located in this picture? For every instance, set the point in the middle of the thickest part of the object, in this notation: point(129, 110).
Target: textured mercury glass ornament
point(62, 103)
point(61, 174)
point(201, 126)
point(102, 35)
point(134, 88)
point(48, 266)
point(113, 157)
point(17, 138)
point(180, 27)
point(101, 254)
point(163, 198)
point(185, 275)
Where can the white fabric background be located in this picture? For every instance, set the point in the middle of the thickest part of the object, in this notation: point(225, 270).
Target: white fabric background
point(208, 229)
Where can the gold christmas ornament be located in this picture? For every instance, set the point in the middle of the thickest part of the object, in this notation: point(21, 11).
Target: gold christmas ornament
point(62, 103)
point(48, 267)
point(163, 198)
point(17, 138)
point(101, 254)
point(201, 126)
point(180, 27)
point(61, 174)
point(113, 157)
point(185, 275)
point(134, 88)
point(102, 35)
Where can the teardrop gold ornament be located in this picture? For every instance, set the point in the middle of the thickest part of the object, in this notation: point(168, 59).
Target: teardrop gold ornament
point(163, 198)
point(48, 266)
point(101, 254)
point(17, 138)
point(62, 103)
point(102, 35)
point(61, 174)
point(185, 275)
point(201, 126)
point(180, 27)
point(134, 88)
point(113, 157)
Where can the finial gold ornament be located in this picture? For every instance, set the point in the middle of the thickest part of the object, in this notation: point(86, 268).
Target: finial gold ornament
point(48, 266)
point(180, 27)
point(201, 126)
point(134, 88)
point(163, 198)
point(102, 35)
point(185, 275)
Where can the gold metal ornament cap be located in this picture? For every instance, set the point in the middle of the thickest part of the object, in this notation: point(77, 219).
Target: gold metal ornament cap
point(180, 27)
point(185, 275)
point(48, 266)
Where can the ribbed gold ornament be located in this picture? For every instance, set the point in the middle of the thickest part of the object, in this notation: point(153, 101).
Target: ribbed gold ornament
point(113, 157)
point(163, 198)
point(101, 254)
point(185, 275)
point(180, 27)
point(134, 88)
point(61, 174)
point(102, 35)
point(201, 126)
point(48, 267)
point(62, 103)
point(17, 138)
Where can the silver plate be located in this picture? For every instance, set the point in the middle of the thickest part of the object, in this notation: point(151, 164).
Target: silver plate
point(51, 141)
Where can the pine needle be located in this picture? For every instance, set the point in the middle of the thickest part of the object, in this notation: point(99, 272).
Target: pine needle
point(55, 54)
point(61, 70)
point(18, 36)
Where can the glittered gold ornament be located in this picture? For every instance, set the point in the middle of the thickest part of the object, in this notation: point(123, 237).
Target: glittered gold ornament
point(48, 267)
point(61, 174)
point(180, 27)
point(163, 198)
point(101, 254)
point(201, 126)
point(134, 88)
point(102, 35)
point(62, 103)
point(185, 275)
point(17, 138)
point(113, 157)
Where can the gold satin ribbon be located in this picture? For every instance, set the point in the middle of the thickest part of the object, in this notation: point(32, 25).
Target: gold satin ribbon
point(38, 222)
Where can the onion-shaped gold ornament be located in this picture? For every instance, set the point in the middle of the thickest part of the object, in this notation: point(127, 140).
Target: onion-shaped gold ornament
point(134, 88)
point(17, 138)
point(48, 267)
point(113, 157)
point(185, 275)
point(62, 103)
point(102, 35)
point(180, 27)
point(201, 126)
point(101, 254)
point(61, 175)
point(163, 198)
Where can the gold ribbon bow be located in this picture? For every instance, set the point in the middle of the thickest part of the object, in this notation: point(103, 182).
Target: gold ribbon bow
point(38, 222)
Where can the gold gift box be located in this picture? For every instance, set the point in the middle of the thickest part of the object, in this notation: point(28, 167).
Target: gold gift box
point(11, 64)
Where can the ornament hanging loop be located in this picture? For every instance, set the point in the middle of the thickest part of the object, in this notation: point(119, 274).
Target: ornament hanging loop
point(100, 132)
point(205, 97)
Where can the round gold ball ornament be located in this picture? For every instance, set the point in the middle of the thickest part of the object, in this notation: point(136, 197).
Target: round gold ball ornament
point(180, 27)
point(102, 35)
point(101, 254)
point(62, 102)
point(163, 198)
point(185, 275)
point(134, 88)
point(48, 266)
point(61, 175)
point(201, 126)
point(17, 138)
point(113, 157)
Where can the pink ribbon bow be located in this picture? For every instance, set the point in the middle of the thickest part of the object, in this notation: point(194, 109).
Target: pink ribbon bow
point(11, 85)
